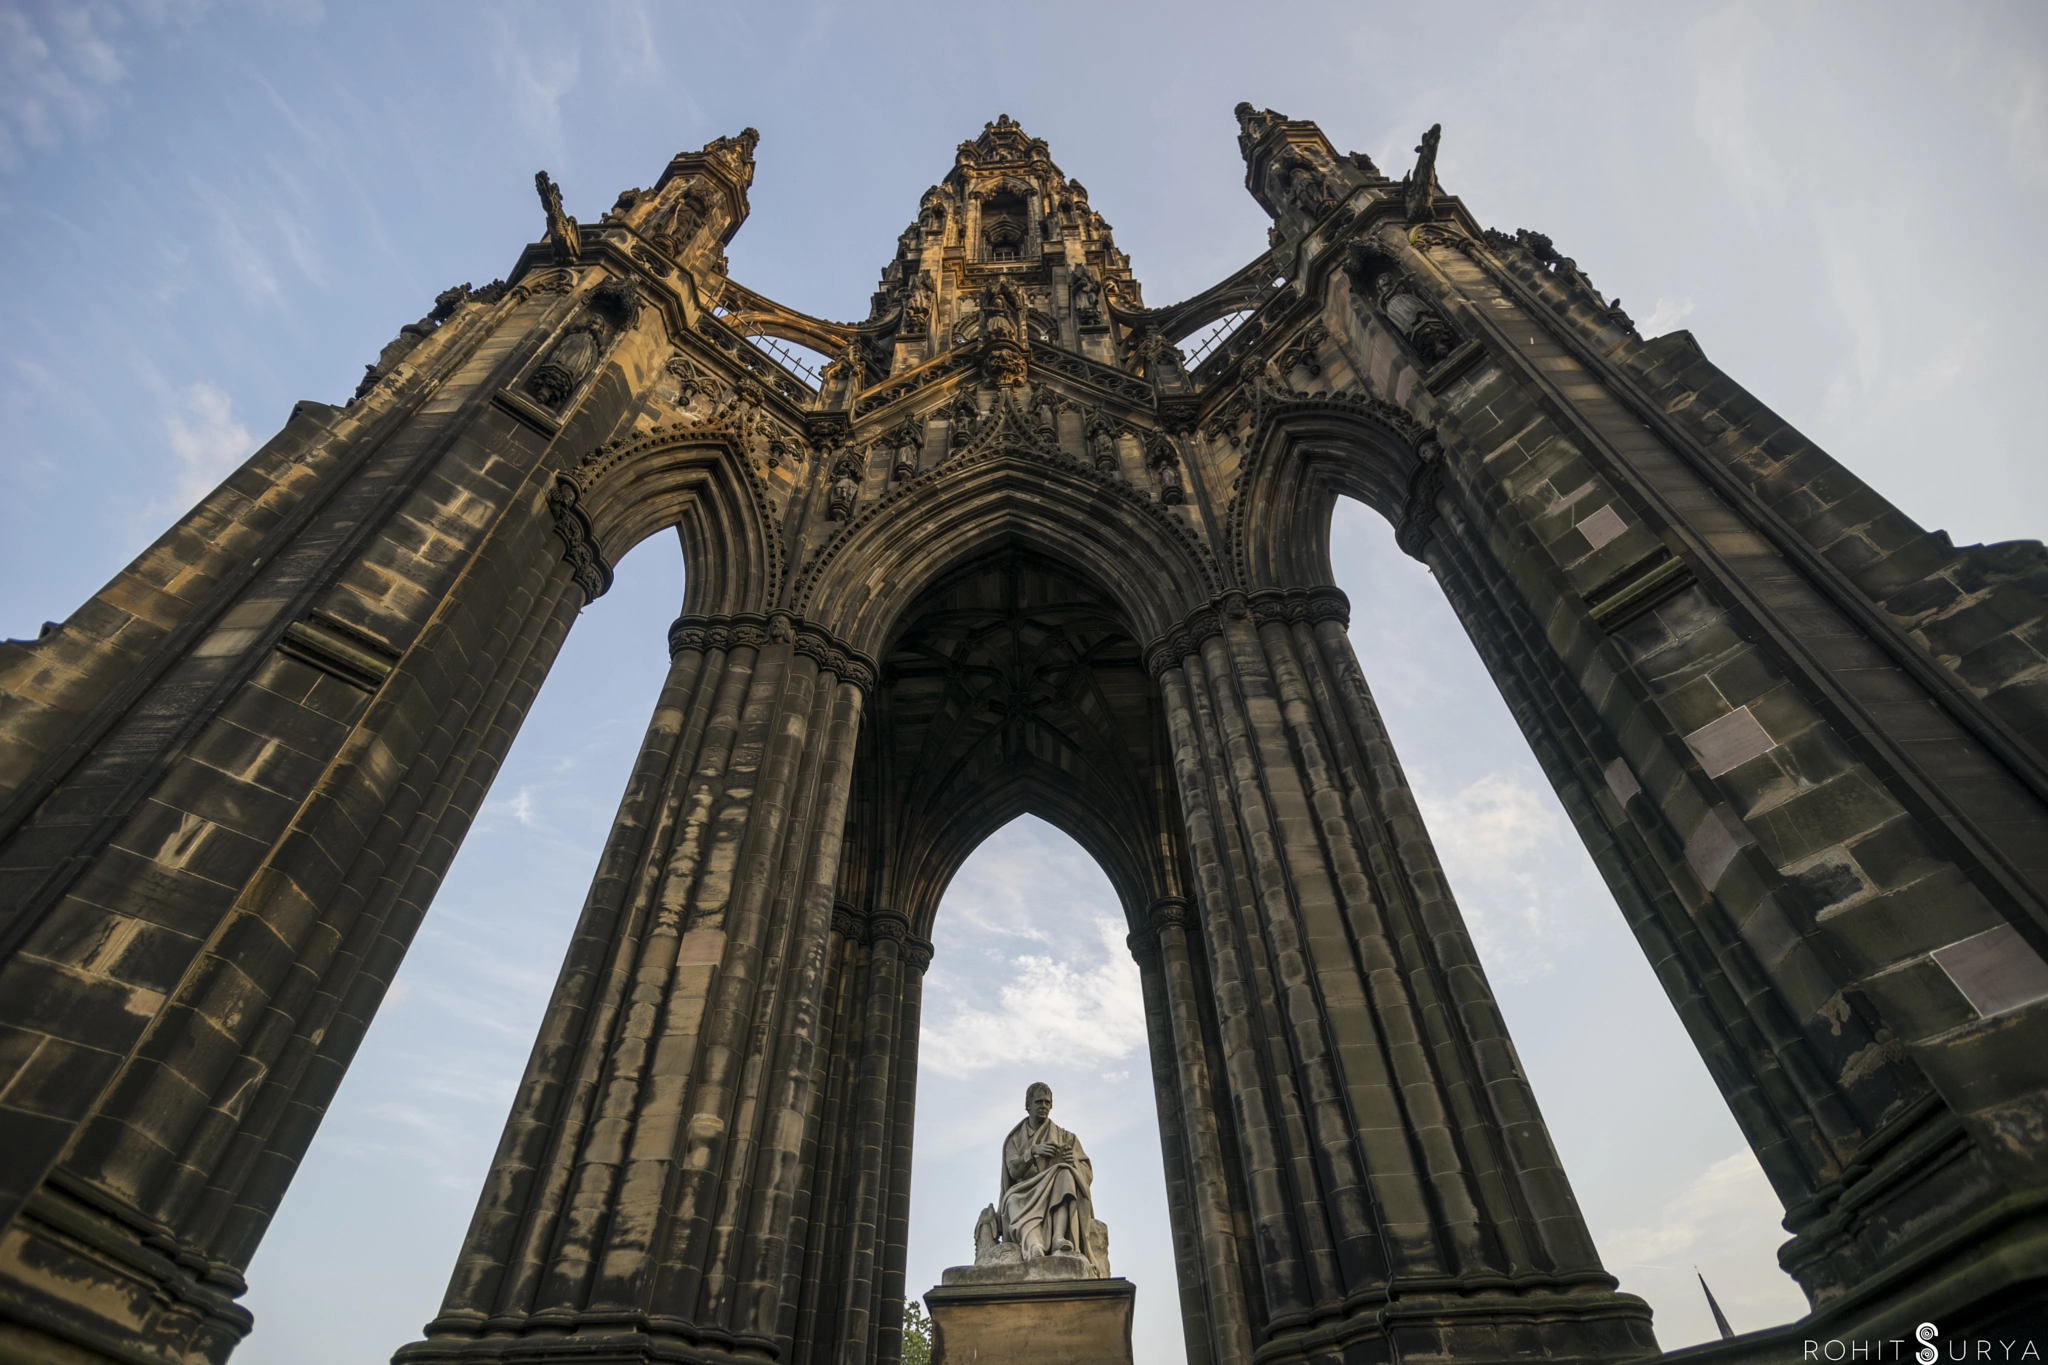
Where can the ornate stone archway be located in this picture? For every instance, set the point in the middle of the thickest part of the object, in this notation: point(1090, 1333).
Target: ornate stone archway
point(1015, 554)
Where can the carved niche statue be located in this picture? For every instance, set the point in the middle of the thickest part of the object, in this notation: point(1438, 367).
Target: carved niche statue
point(1165, 461)
point(962, 418)
point(851, 364)
point(1295, 180)
point(1102, 445)
point(1002, 311)
point(1378, 274)
point(562, 234)
point(1046, 1206)
point(1007, 360)
point(845, 489)
point(1086, 292)
point(613, 306)
point(917, 305)
point(682, 223)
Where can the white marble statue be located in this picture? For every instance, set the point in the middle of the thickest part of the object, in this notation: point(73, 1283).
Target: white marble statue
point(1046, 1208)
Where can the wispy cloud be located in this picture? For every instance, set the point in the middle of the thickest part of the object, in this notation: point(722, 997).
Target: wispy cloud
point(58, 64)
point(1505, 846)
point(207, 440)
point(535, 75)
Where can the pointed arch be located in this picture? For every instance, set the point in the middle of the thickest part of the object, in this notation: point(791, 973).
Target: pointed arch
point(693, 477)
point(1303, 454)
point(1145, 560)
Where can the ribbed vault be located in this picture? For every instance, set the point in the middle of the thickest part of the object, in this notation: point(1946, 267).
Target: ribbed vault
point(1012, 687)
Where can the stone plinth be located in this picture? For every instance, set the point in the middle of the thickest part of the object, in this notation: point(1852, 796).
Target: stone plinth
point(1000, 1314)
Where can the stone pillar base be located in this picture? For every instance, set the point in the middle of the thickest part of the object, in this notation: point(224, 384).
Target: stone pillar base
point(1030, 1322)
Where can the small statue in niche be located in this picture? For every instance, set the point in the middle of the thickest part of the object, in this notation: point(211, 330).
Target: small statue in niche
point(1002, 312)
point(917, 305)
point(1171, 493)
point(683, 223)
point(908, 440)
point(845, 491)
point(962, 418)
point(1165, 460)
point(1102, 445)
point(1086, 293)
point(566, 367)
point(1406, 311)
point(851, 364)
point(1046, 421)
point(1295, 180)
point(562, 234)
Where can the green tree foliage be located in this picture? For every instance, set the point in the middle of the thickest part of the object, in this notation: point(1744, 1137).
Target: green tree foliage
point(917, 1334)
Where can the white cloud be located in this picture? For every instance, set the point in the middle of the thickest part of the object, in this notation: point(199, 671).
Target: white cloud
point(1516, 867)
point(1039, 1007)
point(1724, 1225)
point(1665, 316)
point(206, 438)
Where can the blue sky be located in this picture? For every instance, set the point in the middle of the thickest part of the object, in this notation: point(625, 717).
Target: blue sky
point(212, 210)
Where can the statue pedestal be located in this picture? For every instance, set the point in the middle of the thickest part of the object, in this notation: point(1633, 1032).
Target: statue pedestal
point(1028, 1314)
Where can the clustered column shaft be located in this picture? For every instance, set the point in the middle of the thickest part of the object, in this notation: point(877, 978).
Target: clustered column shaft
point(1393, 1156)
point(653, 1167)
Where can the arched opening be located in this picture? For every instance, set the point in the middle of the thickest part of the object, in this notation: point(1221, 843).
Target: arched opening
point(1031, 980)
point(1005, 226)
point(1663, 1174)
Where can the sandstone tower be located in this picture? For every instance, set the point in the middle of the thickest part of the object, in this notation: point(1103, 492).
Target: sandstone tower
point(1014, 550)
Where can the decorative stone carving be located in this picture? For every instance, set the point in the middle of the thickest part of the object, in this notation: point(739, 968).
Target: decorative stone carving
point(562, 233)
point(1162, 359)
point(413, 333)
point(845, 490)
point(1418, 513)
point(1102, 444)
point(689, 379)
point(1164, 460)
point(1419, 198)
point(917, 306)
point(681, 224)
point(567, 365)
point(579, 544)
point(1253, 124)
point(963, 416)
point(1302, 353)
point(1376, 274)
point(1086, 292)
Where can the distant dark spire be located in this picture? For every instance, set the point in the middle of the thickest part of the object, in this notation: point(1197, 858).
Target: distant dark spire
point(1720, 1318)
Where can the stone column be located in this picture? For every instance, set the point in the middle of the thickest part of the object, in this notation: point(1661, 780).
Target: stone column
point(1399, 1176)
point(1181, 1060)
point(916, 956)
point(867, 1133)
point(677, 1059)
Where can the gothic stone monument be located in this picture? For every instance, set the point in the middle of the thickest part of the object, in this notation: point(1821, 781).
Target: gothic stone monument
point(1040, 1288)
point(1014, 551)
